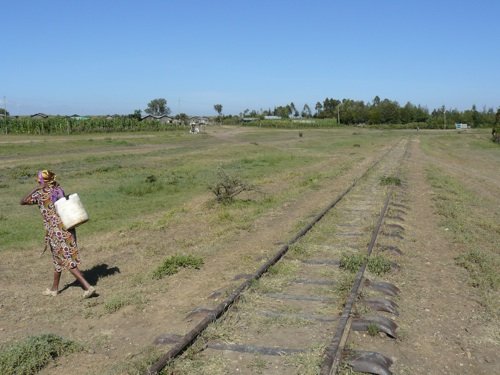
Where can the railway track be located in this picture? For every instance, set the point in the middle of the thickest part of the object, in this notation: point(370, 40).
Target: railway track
point(295, 314)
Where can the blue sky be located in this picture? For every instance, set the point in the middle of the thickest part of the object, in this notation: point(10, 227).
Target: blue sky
point(98, 57)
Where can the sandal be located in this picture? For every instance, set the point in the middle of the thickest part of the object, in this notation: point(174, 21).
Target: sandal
point(90, 292)
point(50, 292)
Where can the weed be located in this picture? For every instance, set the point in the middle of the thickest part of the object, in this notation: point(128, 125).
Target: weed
point(373, 329)
point(483, 268)
point(115, 303)
point(379, 265)
point(352, 262)
point(32, 354)
point(344, 285)
point(390, 180)
point(172, 264)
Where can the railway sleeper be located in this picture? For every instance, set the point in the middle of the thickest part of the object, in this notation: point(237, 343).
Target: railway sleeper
point(381, 304)
point(390, 248)
point(383, 287)
point(383, 324)
point(254, 349)
point(368, 362)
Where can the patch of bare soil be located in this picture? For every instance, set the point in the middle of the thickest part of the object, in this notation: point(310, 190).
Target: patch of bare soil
point(120, 265)
point(443, 329)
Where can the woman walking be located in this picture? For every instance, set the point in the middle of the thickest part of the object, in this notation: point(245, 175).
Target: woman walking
point(62, 243)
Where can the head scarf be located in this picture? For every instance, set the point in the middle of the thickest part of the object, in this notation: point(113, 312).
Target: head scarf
point(48, 177)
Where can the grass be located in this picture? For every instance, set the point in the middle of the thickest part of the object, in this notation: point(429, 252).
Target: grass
point(352, 262)
point(109, 175)
point(116, 302)
point(462, 214)
point(373, 329)
point(390, 180)
point(379, 265)
point(32, 354)
point(171, 265)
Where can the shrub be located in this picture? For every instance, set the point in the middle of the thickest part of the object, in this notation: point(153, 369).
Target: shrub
point(227, 187)
point(353, 262)
point(172, 264)
point(32, 354)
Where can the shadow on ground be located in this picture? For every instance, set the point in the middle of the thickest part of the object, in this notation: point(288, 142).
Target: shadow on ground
point(94, 274)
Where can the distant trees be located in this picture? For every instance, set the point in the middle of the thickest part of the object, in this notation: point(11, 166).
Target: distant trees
point(218, 109)
point(4, 112)
point(137, 114)
point(157, 107)
point(306, 111)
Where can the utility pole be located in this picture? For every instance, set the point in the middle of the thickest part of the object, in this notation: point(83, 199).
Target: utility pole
point(444, 117)
point(338, 114)
point(5, 112)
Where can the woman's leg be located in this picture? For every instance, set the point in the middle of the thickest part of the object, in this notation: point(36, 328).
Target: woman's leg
point(55, 283)
point(78, 275)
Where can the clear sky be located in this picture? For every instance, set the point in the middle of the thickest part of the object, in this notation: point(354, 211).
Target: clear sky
point(98, 57)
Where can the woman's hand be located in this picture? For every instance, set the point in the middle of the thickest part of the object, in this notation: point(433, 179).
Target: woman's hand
point(26, 199)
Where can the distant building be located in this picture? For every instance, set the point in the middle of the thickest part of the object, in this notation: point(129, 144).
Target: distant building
point(272, 118)
point(39, 116)
point(78, 117)
point(164, 119)
point(459, 125)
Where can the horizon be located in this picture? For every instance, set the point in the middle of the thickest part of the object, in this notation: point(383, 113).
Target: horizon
point(96, 59)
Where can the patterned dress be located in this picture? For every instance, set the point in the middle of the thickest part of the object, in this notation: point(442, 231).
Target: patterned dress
point(62, 242)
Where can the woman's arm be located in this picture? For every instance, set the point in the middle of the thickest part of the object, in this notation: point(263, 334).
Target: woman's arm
point(27, 199)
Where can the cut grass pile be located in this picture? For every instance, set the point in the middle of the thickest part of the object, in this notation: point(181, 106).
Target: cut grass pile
point(172, 264)
point(32, 354)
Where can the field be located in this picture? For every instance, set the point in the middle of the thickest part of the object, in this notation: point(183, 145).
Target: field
point(150, 203)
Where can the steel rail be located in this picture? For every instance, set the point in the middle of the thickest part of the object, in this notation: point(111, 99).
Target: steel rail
point(221, 308)
point(333, 352)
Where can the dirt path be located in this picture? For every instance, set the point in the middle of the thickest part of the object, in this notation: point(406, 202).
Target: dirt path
point(442, 326)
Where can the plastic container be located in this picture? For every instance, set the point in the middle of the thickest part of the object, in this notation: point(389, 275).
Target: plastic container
point(71, 211)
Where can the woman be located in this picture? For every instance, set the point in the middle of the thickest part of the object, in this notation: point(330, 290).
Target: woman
point(62, 243)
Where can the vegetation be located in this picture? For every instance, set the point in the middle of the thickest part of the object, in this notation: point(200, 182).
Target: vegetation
point(384, 111)
point(227, 187)
point(373, 329)
point(157, 107)
point(390, 180)
point(352, 262)
point(477, 233)
point(32, 354)
point(379, 265)
point(172, 264)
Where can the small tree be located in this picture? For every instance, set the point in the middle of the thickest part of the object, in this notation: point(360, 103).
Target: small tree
point(227, 187)
point(157, 107)
point(218, 109)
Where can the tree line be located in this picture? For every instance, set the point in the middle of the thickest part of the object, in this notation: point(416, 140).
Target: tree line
point(386, 111)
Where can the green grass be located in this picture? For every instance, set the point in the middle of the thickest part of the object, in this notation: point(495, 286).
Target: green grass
point(34, 353)
point(352, 262)
point(110, 173)
point(116, 302)
point(462, 215)
point(390, 180)
point(379, 265)
point(171, 265)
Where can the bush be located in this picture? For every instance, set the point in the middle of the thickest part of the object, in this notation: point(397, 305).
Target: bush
point(172, 264)
point(32, 354)
point(227, 187)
